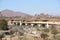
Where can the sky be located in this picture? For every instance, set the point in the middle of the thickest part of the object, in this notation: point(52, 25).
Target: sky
point(32, 6)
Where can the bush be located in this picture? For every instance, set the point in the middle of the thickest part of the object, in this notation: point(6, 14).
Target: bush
point(54, 31)
point(21, 33)
point(57, 37)
point(43, 35)
point(12, 31)
point(46, 30)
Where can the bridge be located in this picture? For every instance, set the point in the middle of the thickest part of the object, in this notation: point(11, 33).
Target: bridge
point(33, 23)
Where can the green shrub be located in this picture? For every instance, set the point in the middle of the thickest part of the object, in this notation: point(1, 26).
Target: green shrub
point(43, 35)
point(46, 30)
point(12, 31)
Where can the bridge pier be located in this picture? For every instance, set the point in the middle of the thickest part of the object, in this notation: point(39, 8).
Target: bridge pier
point(32, 25)
point(26, 24)
point(9, 23)
point(47, 25)
point(43, 24)
point(20, 23)
point(39, 25)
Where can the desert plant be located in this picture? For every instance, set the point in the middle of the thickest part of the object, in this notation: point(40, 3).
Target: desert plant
point(46, 30)
point(43, 35)
point(12, 31)
point(54, 31)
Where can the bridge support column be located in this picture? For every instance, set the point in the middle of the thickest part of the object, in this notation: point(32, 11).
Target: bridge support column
point(32, 25)
point(26, 24)
point(9, 23)
point(39, 25)
point(20, 23)
point(16, 23)
point(47, 25)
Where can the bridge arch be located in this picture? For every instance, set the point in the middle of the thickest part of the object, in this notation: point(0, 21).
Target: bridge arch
point(18, 24)
point(23, 24)
point(35, 25)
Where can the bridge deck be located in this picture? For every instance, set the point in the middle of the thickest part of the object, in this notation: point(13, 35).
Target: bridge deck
point(43, 22)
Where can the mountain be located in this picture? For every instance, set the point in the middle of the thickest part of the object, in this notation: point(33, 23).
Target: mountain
point(10, 13)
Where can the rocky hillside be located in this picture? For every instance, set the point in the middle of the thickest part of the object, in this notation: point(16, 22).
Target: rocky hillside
point(10, 13)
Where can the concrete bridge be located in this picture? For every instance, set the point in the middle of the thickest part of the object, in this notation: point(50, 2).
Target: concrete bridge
point(32, 23)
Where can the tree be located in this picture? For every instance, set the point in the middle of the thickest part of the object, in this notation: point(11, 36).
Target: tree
point(3, 25)
point(43, 35)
